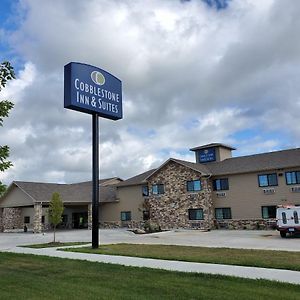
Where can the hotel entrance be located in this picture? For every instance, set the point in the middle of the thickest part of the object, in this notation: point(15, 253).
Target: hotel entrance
point(80, 220)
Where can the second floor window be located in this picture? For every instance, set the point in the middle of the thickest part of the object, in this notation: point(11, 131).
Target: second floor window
point(145, 190)
point(158, 189)
point(292, 177)
point(193, 186)
point(267, 180)
point(221, 184)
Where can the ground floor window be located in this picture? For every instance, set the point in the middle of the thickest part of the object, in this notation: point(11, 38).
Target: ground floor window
point(223, 213)
point(146, 215)
point(125, 215)
point(26, 220)
point(196, 214)
point(43, 219)
point(268, 212)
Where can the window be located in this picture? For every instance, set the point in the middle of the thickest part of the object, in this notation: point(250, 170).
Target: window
point(43, 219)
point(126, 216)
point(196, 214)
point(268, 212)
point(267, 180)
point(284, 220)
point(220, 184)
point(158, 189)
point(145, 190)
point(26, 220)
point(146, 215)
point(223, 213)
point(296, 218)
point(292, 177)
point(193, 186)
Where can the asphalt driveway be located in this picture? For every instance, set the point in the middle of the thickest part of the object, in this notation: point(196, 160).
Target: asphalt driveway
point(256, 239)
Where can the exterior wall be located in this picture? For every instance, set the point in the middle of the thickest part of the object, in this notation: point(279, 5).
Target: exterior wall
point(245, 197)
point(30, 212)
point(12, 219)
point(16, 198)
point(130, 199)
point(170, 210)
point(223, 153)
point(1, 219)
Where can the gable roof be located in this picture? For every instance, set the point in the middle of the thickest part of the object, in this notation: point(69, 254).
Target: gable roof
point(256, 163)
point(70, 193)
point(194, 166)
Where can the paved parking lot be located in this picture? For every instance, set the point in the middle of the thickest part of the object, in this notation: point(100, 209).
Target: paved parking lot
point(256, 239)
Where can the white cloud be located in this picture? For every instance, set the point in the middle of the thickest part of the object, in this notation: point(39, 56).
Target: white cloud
point(191, 75)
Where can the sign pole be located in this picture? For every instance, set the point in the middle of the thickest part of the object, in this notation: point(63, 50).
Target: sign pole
point(91, 90)
point(95, 199)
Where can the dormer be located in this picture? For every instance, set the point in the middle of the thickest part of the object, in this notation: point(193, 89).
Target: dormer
point(212, 152)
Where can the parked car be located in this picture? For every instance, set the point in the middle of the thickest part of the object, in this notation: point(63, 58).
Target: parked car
point(287, 220)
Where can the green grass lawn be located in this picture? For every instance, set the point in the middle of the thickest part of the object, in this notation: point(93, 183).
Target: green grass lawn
point(37, 277)
point(242, 257)
point(52, 244)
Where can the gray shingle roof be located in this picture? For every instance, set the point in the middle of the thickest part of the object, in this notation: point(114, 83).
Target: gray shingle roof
point(70, 193)
point(141, 178)
point(256, 163)
point(236, 165)
point(138, 179)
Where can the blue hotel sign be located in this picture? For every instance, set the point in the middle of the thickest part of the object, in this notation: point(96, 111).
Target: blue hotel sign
point(92, 90)
point(206, 155)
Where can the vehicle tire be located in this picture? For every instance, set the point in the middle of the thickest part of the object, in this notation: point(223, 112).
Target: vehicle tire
point(282, 234)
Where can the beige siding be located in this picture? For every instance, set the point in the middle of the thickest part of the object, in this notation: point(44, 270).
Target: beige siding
point(223, 153)
point(246, 198)
point(16, 198)
point(130, 199)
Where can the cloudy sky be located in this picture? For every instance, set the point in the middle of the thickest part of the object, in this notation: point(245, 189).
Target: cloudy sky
point(193, 72)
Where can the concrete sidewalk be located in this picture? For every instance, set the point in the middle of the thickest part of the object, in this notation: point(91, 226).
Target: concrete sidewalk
point(238, 271)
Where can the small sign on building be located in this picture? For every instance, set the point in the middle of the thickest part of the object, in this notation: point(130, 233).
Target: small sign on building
point(206, 155)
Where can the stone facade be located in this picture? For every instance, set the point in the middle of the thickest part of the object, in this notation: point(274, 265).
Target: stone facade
point(90, 216)
point(122, 224)
point(11, 219)
point(37, 221)
point(170, 209)
point(251, 224)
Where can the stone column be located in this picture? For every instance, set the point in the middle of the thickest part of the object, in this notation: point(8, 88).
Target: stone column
point(37, 222)
point(90, 216)
point(209, 211)
point(1, 220)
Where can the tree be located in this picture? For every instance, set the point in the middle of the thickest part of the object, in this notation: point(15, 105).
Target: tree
point(56, 208)
point(6, 74)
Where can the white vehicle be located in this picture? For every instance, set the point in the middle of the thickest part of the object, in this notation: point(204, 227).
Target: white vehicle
point(287, 220)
